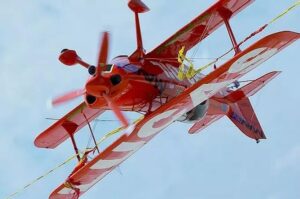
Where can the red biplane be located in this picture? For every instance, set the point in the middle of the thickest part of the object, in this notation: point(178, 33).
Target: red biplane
point(157, 85)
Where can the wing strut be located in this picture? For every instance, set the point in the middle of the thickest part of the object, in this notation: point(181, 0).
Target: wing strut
point(137, 6)
point(226, 15)
point(92, 133)
point(75, 146)
point(71, 127)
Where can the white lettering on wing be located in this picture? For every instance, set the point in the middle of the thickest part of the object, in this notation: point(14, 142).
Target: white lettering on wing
point(107, 164)
point(251, 60)
point(148, 129)
point(205, 91)
point(129, 146)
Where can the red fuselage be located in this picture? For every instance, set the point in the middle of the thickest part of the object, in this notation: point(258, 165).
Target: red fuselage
point(136, 87)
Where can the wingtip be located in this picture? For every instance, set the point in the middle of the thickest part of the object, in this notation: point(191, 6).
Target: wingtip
point(39, 143)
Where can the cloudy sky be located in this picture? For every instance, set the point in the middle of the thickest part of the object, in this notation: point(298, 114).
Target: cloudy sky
point(218, 163)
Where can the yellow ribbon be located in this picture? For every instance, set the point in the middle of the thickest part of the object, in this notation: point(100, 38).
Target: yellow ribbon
point(67, 161)
point(296, 4)
point(192, 72)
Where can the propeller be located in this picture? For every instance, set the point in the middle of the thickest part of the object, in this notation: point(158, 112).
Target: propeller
point(67, 97)
point(103, 53)
point(102, 60)
point(116, 110)
point(97, 85)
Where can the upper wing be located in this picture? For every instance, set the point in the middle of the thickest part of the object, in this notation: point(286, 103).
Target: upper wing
point(69, 124)
point(152, 124)
point(198, 29)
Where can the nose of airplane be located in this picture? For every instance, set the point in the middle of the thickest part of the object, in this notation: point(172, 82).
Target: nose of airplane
point(97, 86)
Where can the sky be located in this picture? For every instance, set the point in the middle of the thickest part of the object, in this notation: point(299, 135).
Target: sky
point(220, 162)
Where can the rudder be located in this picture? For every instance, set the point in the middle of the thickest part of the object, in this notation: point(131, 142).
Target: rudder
point(241, 112)
point(243, 116)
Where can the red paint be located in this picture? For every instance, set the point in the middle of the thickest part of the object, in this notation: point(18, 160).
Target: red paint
point(148, 83)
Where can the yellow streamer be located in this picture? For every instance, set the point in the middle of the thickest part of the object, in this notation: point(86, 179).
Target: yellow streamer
point(296, 4)
point(181, 73)
point(42, 176)
point(192, 72)
point(67, 161)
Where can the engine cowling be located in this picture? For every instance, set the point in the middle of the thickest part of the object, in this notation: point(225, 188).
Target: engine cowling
point(195, 114)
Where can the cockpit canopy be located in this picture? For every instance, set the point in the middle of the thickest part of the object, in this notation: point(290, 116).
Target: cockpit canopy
point(124, 63)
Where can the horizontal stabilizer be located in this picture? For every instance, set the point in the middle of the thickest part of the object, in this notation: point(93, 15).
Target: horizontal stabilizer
point(238, 108)
point(252, 88)
point(202, 124)
point(241, 112)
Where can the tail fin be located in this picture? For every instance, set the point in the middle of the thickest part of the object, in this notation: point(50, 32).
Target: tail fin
point(243, 116)
point(241, 112)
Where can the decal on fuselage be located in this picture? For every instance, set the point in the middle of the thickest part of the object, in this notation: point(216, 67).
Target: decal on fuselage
point(246, 124)
point(153, 79)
